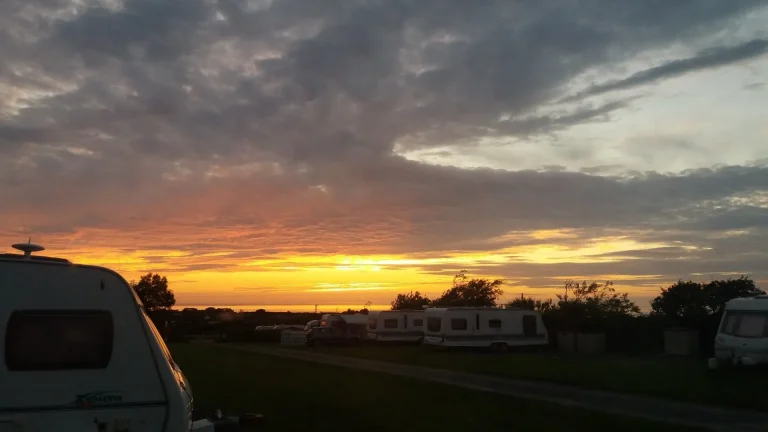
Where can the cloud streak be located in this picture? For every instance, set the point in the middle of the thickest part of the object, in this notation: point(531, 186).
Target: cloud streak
point(707, 59)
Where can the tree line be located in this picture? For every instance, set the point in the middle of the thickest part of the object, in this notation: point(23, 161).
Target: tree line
point(684, 303)
point(479, 292)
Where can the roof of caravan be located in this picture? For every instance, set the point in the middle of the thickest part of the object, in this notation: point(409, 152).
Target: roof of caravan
point(350, 319)
point(438, 310)
point(46, 260)
point(355, 319)
point(402, 311)
point(33, 258)
point(748, 303)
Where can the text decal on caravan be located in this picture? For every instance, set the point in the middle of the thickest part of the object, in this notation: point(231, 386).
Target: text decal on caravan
point(97, 399)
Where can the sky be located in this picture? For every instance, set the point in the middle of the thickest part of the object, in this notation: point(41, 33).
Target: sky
point(297, 152)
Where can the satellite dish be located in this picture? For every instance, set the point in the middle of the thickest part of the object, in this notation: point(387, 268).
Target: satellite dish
point(28, 248)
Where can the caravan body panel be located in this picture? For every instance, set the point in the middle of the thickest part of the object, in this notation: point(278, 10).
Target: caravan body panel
point(483, 327)
point(396, 326)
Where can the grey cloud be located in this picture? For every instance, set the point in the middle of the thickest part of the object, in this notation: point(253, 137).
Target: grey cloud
point(16, 136)
point(552, 123)
point(707, 59)
point(601, 169)
point(142, 28)
point(672, 252)
point(742, 217)
point(340, 89)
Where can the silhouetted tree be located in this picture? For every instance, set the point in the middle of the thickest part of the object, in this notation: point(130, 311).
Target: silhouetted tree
point(531, 304)
point(470, 292)
point(682, 302)
point(719, 292)
point(689, 302)
point(601, 298)
point(411, 300)
point(153, 291)
point(589, 307)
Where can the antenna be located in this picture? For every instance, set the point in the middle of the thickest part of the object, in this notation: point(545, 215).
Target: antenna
point(28, 248)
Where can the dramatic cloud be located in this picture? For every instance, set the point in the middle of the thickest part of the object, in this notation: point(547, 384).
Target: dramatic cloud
point(706, 59)
point(282, 151)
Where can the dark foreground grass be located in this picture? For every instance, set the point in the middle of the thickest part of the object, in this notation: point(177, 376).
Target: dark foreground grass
point(301, 396)
point(672, 378)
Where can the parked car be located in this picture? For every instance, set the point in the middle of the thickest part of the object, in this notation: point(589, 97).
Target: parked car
point(338, 329)
point(331, 336)
point(312, 324)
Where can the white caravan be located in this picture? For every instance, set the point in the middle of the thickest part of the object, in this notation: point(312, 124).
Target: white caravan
point(79, 353)
point(396, 326)
point(494, 328)
point(743, 334)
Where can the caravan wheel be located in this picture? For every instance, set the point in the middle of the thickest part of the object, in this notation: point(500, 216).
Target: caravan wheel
point(499, 347)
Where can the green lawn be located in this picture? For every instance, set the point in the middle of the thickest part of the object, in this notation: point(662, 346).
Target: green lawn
point(673, 378)
point(295, 395)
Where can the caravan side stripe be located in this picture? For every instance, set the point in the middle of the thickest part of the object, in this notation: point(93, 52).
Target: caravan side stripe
point(159, 404)
point(396, 333)
point(514, 337)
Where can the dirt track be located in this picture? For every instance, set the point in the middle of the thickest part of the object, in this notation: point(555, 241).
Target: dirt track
point(712, 418)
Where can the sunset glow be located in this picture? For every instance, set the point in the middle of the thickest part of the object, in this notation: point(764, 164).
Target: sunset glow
point(285, 157)
point(333, 280)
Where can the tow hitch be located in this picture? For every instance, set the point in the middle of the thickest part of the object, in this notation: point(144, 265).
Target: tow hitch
point(221, 423)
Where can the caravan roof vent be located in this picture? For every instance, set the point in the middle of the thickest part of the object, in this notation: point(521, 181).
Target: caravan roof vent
point(28, 248)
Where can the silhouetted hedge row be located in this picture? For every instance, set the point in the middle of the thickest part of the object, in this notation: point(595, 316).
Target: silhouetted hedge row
point(637, 335)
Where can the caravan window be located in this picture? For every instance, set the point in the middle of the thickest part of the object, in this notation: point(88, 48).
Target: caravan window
point(494, 323)
point(390, 323)
point(746, 324)
point(434, 324)
point(729, 325)
point(418, 322)
point(58, 340)
point(458, 324)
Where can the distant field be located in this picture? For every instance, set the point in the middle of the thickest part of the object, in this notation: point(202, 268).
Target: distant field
point(295, 396)
point(672, 378)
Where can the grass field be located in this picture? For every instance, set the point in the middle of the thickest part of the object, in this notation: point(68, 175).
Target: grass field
point(296, 396)
point(672, 378)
